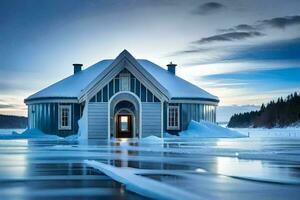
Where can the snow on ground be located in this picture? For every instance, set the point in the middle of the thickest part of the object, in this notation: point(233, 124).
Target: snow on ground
point(29, 134)
point(208, 130)
point(208, 168)
point(9, 131)
point(274, 132)
point(152, 139)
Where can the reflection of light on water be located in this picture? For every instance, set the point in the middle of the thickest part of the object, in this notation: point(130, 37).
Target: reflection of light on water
point(230, 144)
point(235, 167)
point(18, 161)
point(254, 170)
point(199, 170)
point(239, 143)
point(124, 152)
point(123, 140)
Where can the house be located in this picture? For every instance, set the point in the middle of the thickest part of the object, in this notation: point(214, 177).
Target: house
point(120, 98)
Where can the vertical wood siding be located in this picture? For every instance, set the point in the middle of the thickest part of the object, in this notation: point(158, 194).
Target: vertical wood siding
point(135, 86)
point(151, 119)
point(44, 116)
point(196, 112)
point(97, 120)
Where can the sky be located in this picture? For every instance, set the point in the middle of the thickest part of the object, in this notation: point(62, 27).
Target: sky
point(246, 52)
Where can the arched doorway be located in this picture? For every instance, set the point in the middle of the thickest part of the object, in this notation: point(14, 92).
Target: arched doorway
point(124, 120)
point(124, 115)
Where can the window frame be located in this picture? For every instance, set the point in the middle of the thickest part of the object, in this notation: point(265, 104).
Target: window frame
point(178, 117)
point(121, 77)
point(60, 126)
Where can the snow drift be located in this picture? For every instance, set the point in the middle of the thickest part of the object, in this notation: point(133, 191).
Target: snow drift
point(152, 139)
point(209, 130)
point(30, 134)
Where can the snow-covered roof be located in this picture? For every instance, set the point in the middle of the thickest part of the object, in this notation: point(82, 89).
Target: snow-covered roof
point(72, 86)
point(176, 86)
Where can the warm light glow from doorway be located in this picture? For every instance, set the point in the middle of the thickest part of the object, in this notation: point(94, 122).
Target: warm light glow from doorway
point(124, 119)
point(124, 123)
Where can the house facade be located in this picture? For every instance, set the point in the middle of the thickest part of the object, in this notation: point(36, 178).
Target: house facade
point(120, 98)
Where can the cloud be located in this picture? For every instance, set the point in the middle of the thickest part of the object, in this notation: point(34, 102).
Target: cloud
point(191, 51)
point(208, 8)
point(258, 87)
point(240, 27)
point(5, 106)
point(277, 22)
point(271, 54)
point(231, 36)
point(271, 51)
point(281, 22)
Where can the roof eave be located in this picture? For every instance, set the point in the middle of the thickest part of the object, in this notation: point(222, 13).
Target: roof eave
point(28, 101)
point(195, 100)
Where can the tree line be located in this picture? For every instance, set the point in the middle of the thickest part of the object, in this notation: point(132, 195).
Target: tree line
point(283, 112)
point(10, 121)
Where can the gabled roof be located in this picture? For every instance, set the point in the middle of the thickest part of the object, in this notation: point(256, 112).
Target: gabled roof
point(176, 86)
point(73, 86)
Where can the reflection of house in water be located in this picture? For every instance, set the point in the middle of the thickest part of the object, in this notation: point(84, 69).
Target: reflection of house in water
point(120, 98)
point(124, 155)
point(144, 159)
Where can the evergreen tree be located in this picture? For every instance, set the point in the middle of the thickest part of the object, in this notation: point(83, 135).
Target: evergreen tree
point(283, 112)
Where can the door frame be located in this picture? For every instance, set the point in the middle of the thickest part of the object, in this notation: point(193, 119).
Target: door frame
point(130, 125)
point(135, 100)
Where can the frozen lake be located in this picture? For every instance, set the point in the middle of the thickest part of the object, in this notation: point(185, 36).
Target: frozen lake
point(245, 168)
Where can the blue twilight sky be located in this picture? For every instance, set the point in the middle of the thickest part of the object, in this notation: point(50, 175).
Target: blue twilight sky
point(245, 52)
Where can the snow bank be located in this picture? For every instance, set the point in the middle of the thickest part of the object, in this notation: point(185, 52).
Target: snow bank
point(82, 125)
point(152, 139)
point(72, 138)
point(29, 134)
point(209, 130)
point(273, 132)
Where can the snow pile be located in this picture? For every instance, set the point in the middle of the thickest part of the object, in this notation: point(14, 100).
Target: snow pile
point(82, 125)
point(209, 130)
point(152, 139)
point(72, 138)
point(29, 134)
point(82, 135)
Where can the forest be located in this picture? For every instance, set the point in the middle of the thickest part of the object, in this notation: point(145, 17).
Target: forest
point(10, 121)
point(280, 113)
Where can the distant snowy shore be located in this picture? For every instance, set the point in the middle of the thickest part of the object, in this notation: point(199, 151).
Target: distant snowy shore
point(273, 132)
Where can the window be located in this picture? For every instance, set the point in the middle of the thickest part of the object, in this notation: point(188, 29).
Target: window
point(65, 117)
point(124, 123)
point(173, 118)
point(124, 82)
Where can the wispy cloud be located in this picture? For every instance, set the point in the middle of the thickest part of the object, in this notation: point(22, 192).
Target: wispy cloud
point(6, 106)
point(208, 8)
point(284, 78)
point(243, 32)
point(281, 22)
point(277, 22)
point(272, 51)
point(240, 27)
point(229, 37)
